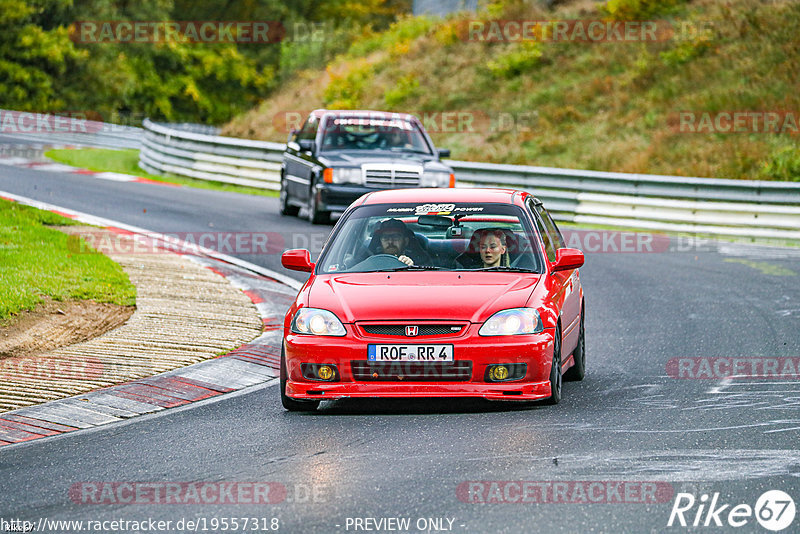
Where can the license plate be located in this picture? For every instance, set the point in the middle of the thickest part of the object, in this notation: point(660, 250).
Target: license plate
point(410, 353)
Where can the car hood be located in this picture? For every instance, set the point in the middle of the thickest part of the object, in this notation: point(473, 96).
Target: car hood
point(358, 158)
point(463, 296)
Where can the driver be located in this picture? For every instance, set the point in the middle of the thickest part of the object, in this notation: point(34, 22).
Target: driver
point(396, 239)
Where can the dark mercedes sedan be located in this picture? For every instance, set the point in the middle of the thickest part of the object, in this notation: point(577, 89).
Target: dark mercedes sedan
point(337, 156)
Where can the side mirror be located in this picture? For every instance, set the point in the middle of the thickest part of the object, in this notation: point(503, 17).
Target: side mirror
point(567, 259)
point(297, 260)
point(444, 152)
point(306, 145)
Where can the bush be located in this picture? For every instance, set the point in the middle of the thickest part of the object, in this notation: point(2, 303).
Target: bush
point(784, 164)
point(405, 88)
point(449, 33)
point(688, 49)
point(638, 9)
point(521, 58)
point(404, 30)
point(316, 49)
point(346, 91)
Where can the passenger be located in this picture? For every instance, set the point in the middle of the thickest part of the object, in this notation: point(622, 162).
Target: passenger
point(393, 237)
point(493, 249)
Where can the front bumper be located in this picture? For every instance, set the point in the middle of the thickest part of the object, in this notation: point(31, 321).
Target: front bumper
point(536, 351)
point(338, 197)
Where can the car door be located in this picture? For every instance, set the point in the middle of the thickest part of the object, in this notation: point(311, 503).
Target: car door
point(570, 281)
point(298, 163)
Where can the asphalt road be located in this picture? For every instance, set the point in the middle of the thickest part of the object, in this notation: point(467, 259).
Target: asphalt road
point(176, 210)
point(628, 422)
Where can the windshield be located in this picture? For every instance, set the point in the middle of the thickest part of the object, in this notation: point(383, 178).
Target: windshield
point(367, 133)
point(442, 236)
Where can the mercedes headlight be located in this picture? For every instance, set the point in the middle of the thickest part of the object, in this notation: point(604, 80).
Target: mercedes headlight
point(512, 322)
point(349, 175)
point(316, 322)
point(435, 179)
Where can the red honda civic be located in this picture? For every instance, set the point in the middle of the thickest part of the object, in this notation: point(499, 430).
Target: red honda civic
point(436, 293)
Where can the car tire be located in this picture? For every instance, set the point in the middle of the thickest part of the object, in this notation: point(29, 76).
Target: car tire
point(289, 403)
point(578, 371)
point(555, 370)
point(315, 216)
point(285, 207)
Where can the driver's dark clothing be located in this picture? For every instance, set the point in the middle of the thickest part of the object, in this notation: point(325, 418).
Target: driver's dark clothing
point(413, 250)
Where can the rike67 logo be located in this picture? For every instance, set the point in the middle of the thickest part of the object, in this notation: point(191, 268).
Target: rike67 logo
point(774, 510)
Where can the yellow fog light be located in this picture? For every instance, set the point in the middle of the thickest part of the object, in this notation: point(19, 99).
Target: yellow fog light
point(325, 372)
point(499, 372)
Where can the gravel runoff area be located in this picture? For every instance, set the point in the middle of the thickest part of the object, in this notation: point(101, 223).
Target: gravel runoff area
point(185, 313)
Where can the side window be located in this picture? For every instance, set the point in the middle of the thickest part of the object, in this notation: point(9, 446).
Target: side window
point(309, 130)
point(552, 229)
point(546, 239)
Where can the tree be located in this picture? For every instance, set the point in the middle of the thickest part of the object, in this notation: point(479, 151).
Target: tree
point(34, 54)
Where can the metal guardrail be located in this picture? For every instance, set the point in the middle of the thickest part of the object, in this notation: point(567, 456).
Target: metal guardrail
point(168, 150)
point(713, 206)
point(709, 206)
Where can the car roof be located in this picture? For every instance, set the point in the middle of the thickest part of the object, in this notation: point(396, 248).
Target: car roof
point(449, 195)
point(318, 113)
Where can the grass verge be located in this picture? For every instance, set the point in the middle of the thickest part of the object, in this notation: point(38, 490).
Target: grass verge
point(127, 162)
point(38, 261)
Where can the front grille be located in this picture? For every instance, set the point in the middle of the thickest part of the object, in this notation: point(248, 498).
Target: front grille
point(457, 371)
point(424, 329)
point(392, 176)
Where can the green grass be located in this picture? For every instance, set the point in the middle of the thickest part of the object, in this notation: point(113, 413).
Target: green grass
point(127, 162)
point(37, 261)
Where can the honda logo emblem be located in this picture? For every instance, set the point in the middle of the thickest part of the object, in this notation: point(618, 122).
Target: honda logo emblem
point(412, 331)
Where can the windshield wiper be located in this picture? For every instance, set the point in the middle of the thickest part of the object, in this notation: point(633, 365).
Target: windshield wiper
point(414, 268)
point(501, 268)
point(411, 150)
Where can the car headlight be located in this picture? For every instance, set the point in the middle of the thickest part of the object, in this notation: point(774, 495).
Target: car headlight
point(316, 322)
point(435, 179)
point(512, 322)
point(350, 175)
